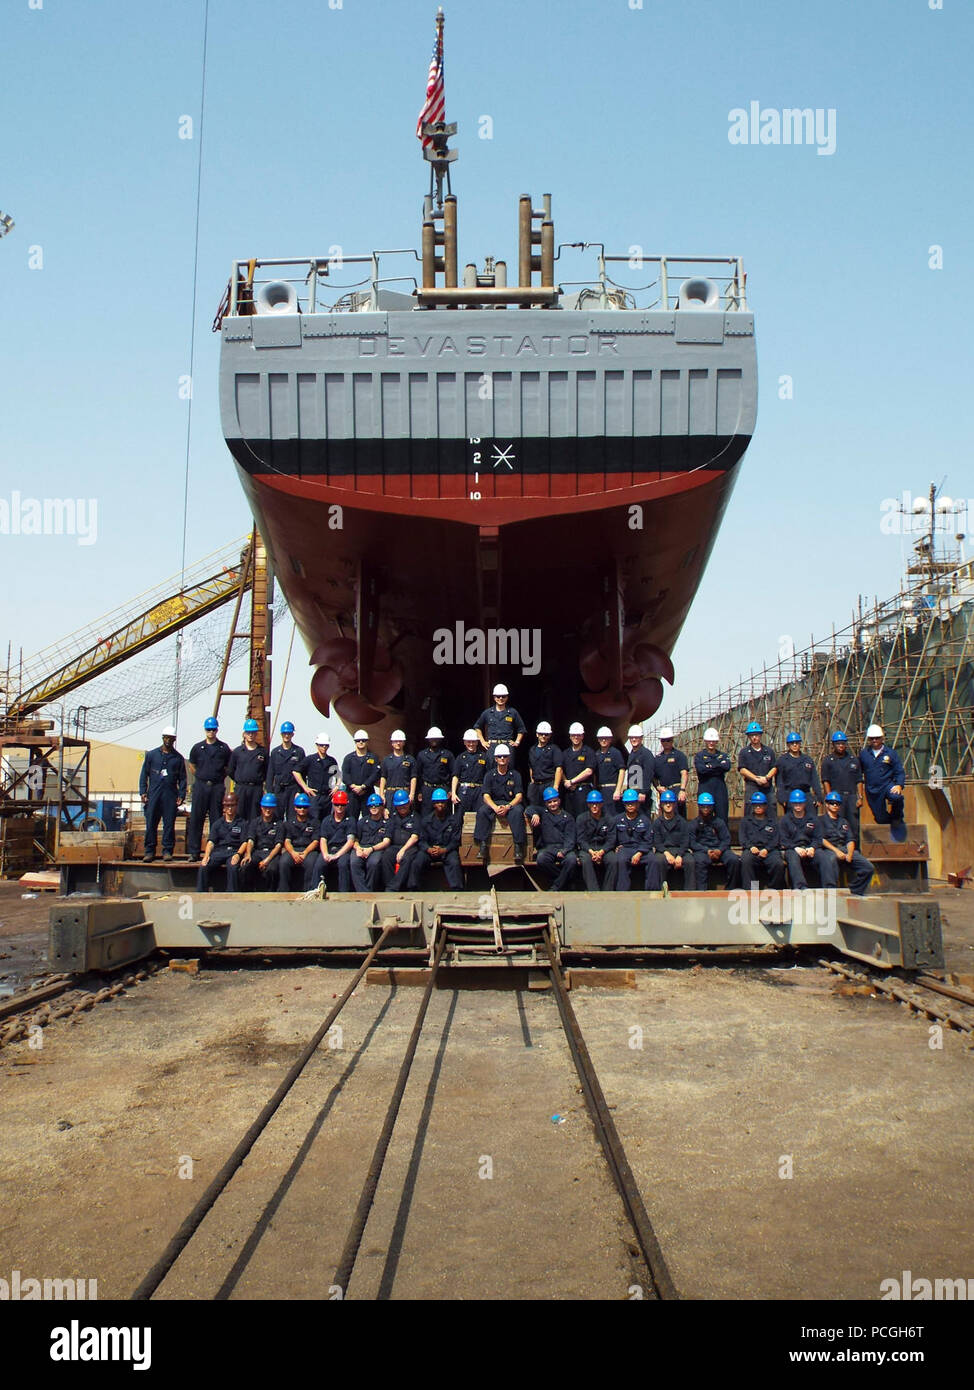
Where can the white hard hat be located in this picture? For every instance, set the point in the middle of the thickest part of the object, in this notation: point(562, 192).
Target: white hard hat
point(666, 732)
point(397, 736)
point(577, 729)
point(434, 732)
point(323, 737)
point(543, 728)
point(169, 732)
point(635, 731)
point(711, 734)
point(502, 751)
point(874, 731)
point(470, 734)
point(604, 732)
point(359, 733)
point(501, 690)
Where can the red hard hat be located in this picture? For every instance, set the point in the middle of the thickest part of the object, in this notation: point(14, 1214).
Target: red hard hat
point(339, 799)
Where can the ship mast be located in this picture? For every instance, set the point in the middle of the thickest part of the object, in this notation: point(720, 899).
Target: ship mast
point(438, 153)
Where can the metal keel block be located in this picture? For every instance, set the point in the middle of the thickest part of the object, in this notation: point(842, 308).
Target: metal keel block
point(891, 932)
point(99, 935)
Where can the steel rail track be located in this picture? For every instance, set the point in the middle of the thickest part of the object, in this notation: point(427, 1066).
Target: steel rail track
point(914, 994)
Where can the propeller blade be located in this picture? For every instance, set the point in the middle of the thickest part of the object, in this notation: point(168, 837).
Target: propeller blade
point(653, 661)
point(594, 668)
point(355, 709)
point(386, 685)
point(335, 652)
point(325, 685)
point(646, 698)
point(607, 704)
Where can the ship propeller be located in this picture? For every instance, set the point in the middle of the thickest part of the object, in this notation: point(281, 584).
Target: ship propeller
point(336, 681)
point(644, 667)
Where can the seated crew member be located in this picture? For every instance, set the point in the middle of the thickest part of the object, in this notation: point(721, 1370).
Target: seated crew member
point(360, 773)
point(439, 840)
point(336, 838)
point(400, 861)
point(640, 766)
point(760, 842)
point(284, 761)
point(710, 844)
point(556, 833)
point(225, 847)
point(757, 765)
point(247, 769)
point(500, 724)
point(839, 840)
point(610, 773)
point(671, 841)
point(468, 774)
point(317, 776)
point(842, 773)
point(209, 760)
point(544, 766)
point(712, 767)
point(578, 770)
point(397, 772)
point(300, 833)
point(594, 840)
point(435, 767)
point(671, 770)
point(261, 860)
point(883, 775)
point(796, 772)
point(801, 842)
point(371, 842)
point(632, 836)
point(504, 798)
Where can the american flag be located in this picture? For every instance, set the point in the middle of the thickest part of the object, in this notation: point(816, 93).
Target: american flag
point(434, 107)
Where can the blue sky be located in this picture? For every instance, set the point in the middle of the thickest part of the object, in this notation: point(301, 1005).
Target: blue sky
point(622, 114)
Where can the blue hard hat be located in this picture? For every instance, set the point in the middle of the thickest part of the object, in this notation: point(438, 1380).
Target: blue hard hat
point(302, 799)
point(758, 799)
point(550, 794)
point(834, 796)
point(438, 795)
point(251, 726)
point(373, 799)
point(665, 796)
point(796, 796)
point(595, 798)
point(400, 798)
point(793, 738)
point(211, 723)
point(705, 799)
point(754, 728)
point(630, 795)
point(839, 738)
point(269, 799)
point(287, 727)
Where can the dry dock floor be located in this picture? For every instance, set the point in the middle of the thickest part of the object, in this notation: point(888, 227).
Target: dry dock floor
point(789, 1143)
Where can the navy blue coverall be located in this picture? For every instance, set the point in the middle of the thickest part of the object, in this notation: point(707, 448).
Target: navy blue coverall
point(209, 762)
point(443, 832)
point(712, 770)
point(596, 832)
point(369, 832)
point(163, 781)
point(757, 833)
point(556, 833)
point(710, 833)
point(228, 838)
point(248, 770)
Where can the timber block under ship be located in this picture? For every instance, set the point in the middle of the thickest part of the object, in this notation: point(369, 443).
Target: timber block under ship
point(480, 482)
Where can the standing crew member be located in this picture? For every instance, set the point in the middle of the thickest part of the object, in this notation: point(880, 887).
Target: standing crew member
point(371, 842)
point(299, 837)
point(712, 767)
point(841, 773)
point(500, 724)
point(209, 760)
point(796, 772)
point(162, 787)
point(284, 761)
point(468, 774)
point(760, 841)
point(839, 839)
point(503, 797)
point(801, 841)
point(262, 854)
point(671, 841)
point(397, 772)
point(318, 776)
point(399, 861)
point(594, 841)
point(884, 776)
point(640, 767)
point(556, 831)
point(671, 770)
point(226, 847)
point(756, 764)
point(360, 773)
point(610, 773)
point(439, 841)
point(336, 836)
point(435, 767)
point(632, 835)
point(578, 767)
point(710, 843)
point(248, 770)
point(544, 765)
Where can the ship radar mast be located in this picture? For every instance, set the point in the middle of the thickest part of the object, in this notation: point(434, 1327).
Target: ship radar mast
point(435, 134)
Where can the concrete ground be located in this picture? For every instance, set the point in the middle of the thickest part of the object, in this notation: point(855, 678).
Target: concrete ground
point(788, 1142)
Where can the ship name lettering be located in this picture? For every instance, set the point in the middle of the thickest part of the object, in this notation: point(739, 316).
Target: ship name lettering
point(526, 345)
point(396, 347)
point(447, 345)
point(476, 346)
